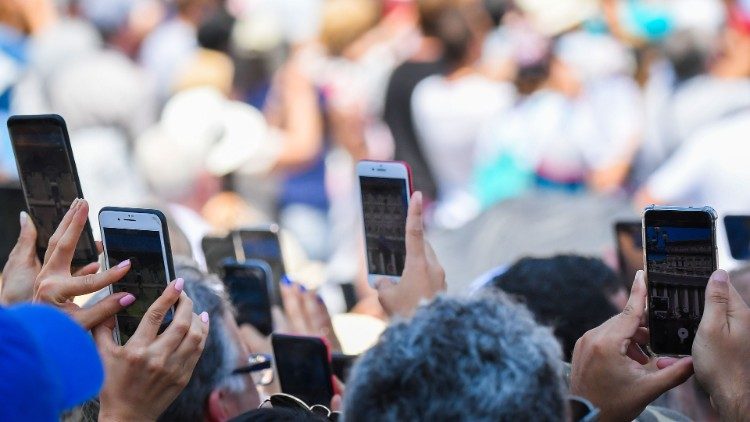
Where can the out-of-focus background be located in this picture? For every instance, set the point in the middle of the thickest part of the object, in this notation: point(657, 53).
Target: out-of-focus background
point(531, 125)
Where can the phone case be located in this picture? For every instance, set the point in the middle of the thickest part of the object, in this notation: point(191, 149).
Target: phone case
point(706, 209)
point(277, 338)
point(56, 120)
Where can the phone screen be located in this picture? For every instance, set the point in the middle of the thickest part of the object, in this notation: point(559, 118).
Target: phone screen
point(217, 250)
point(247, 285)
point(738, 235)
point(303, 368)
point(680, 257)
point(49, 180)
point(11, 198)
point(264, 245)
point(147, 277)
point(384, 207)
point(629, 250)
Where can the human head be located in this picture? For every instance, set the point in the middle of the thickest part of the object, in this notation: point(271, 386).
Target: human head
point(213, 393)
point(460, 359)
point(567, 292)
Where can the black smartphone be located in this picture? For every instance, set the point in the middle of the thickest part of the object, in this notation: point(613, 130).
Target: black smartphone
point(263, 243)
point(738, 235)
point(680, 255)
point(49, 178)
point(629, 250)
point(218, 249)
point(304, 368)
point(12, 203)
point(249, 285)
point(142, 236)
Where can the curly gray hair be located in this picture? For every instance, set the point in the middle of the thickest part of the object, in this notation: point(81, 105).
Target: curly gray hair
point(461, 359)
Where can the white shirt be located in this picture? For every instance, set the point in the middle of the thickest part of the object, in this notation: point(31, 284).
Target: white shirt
point(711, 168)
point(448, 115)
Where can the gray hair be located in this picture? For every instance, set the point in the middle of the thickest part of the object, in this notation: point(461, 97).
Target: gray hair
point(461, 359)
point(219, 358)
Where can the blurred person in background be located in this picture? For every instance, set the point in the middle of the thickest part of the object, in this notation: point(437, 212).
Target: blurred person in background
point(449, 109)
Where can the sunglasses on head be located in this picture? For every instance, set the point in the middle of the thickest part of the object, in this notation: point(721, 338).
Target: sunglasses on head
point(287, 401)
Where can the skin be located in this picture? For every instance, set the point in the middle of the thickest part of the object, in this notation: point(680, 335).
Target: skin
point(720, 349)
point(423, 277)
point(145, 375)
point(610, 369)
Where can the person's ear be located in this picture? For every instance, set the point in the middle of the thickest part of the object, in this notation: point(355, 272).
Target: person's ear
point(216, 410)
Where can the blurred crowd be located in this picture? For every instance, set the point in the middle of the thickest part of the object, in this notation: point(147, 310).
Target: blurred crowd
point(237, 113)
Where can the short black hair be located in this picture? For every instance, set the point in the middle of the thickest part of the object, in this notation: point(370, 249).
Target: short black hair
point(566, 292)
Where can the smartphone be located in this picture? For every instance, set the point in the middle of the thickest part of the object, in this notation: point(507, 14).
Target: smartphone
point(249, 286)
point(12, 202)
point(217, 250)
point(679, 257)
point(142, 236)
point(304, 368)
point(629, 250)
point(738, 235)
point(49, 178)
point(385, 188)
point(263, 243)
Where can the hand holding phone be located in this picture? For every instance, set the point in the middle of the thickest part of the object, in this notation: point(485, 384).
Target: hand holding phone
point(385, 190)
point(55, 285)
point(138, 239)
point(304, 368)
point(680, 255)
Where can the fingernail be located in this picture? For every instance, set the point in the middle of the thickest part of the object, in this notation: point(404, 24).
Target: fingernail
point(721, 276)
point(285, 280)
point(124, 264)
point(302, 288)
point(179, 284)
point(320, 299)
point(74, 204)
point(127, 300)
point(204, 317)
point(23, 217)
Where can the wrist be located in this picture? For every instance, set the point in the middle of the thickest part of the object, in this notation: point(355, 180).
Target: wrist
point(734, 406)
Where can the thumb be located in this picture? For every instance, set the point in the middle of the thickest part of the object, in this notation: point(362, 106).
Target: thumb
point(103, 337)
point(674, 374)
point(717, 300)
point(414, 228)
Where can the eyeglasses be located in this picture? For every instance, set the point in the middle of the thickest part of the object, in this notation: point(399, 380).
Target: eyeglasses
point(259, 368)
point(287, 401)
point(582, 410)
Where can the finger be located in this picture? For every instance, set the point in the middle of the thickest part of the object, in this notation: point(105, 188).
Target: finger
point(280, 323)
point(717, 308)
point(293, 309)
point(190, 348)
point(62, 256)
point(90, 283)
point(627, 322)
point(103, 337)
point(180, 325)
point(657, 382)
point(641, 336)
point(662, 363)
point(99, 247)
point(336, 403)
point(103, 310)
point(87, 269)
point(61, 228)
point(26, 245)
point(154, 316)
point(338, 386)
point(415, 228)
point(636, 353)
point(315, 312)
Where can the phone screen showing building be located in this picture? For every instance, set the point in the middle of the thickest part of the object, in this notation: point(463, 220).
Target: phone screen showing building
point(146, 279)
point(384, 205)
point(680, 258)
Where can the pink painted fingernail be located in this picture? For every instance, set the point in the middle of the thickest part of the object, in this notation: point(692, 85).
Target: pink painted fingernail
point(124, 264)
point(204, 317)
point(127, 300)
point(179, 284)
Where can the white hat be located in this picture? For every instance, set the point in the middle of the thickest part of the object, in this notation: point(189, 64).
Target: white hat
point(552, 17)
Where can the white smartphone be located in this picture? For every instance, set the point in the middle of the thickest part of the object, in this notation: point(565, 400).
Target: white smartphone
point(385, 188)
point(140, 235)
